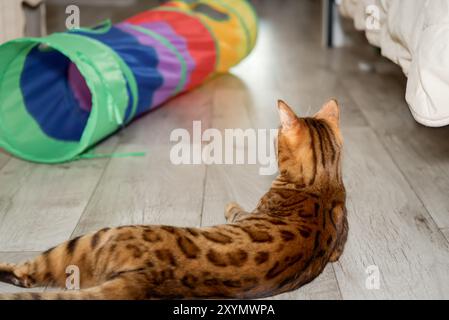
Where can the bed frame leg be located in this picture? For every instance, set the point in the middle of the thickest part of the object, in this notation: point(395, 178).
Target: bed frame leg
point(332, 35)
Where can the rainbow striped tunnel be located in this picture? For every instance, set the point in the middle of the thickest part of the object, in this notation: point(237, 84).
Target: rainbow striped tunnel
point(62, 94)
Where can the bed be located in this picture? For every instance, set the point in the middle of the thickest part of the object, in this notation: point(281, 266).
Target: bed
point(414, 35)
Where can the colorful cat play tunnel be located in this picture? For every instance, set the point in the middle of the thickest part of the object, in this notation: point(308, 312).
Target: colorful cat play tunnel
point(62, 94)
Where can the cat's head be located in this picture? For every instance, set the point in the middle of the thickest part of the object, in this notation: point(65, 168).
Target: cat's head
point(309, 148)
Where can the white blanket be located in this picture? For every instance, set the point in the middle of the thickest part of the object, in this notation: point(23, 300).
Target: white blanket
point(415, 35)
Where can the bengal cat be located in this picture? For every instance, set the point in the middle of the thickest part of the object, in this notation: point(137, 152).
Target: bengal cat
point(298, 226)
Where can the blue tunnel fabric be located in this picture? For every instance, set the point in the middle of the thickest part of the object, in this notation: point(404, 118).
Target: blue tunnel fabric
point(141, 59)
point(50, 100)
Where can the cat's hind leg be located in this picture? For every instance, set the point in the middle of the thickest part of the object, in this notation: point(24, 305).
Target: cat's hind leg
point(123, 287)
point(51, 267)
point(7, 275)
point(234, 212)
point(19, 275)
point(47, 269)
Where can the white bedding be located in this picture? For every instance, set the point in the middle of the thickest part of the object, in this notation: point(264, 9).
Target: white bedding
point(415, 35)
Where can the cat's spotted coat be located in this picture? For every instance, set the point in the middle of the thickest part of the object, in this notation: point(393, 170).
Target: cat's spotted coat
point(298, 226)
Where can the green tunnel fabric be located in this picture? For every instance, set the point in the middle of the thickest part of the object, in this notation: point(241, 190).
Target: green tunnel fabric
point(62, 94)
point(102, 69)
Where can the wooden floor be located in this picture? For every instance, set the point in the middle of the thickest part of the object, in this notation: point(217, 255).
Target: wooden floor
point(396, 171)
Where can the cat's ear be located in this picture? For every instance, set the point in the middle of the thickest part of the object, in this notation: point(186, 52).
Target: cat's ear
point(287, 116)
point(330, 111)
